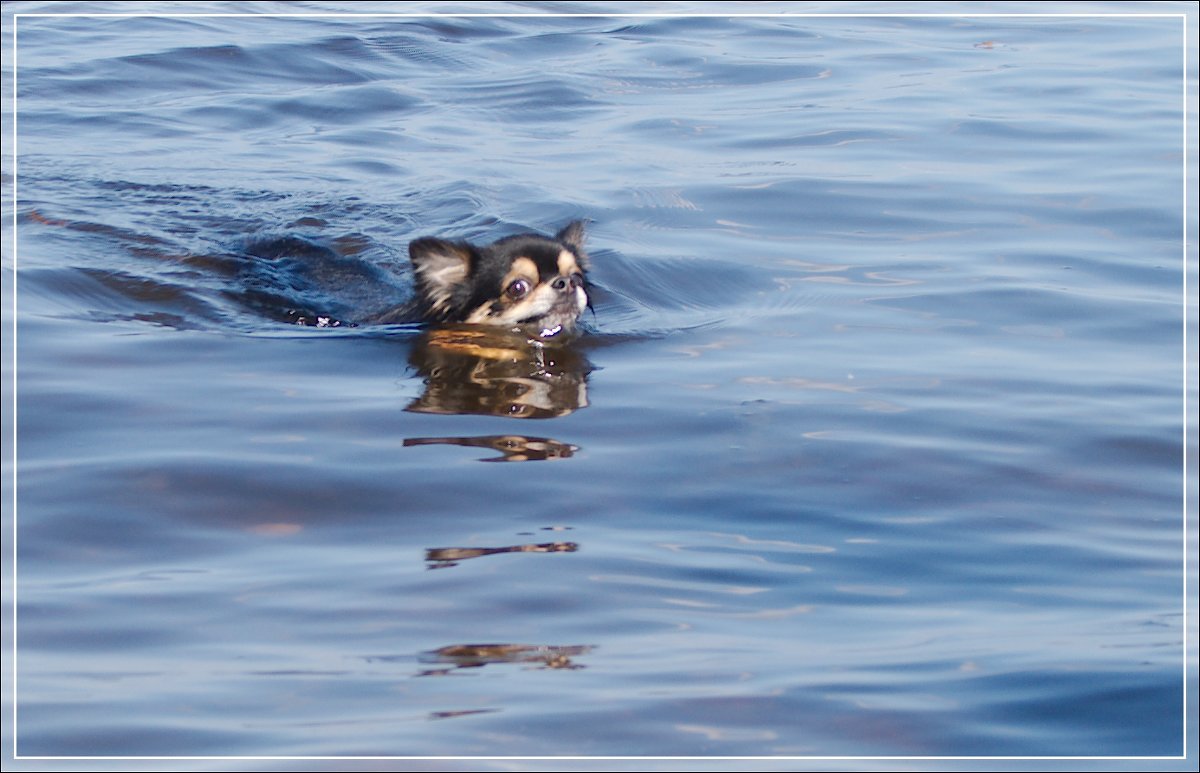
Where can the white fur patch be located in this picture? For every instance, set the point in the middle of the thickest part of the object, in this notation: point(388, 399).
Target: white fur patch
point(439, 272)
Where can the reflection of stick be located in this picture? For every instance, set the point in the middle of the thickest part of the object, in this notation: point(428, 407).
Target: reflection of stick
point(461, 554)
point(477, 655)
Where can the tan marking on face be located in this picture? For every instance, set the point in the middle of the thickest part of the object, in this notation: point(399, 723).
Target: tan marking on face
point(543, 303)
point(522, 268)
point(504, 309)
point(567, 264)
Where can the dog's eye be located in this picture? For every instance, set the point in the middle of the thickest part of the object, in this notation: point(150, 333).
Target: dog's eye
point(518, 289)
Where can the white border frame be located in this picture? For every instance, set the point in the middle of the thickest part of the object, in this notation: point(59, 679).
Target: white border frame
point(1187, 182)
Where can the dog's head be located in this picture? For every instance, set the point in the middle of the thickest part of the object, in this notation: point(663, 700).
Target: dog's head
point(528, 281)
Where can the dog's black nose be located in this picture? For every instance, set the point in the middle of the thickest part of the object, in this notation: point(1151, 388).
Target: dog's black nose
point(565, 283)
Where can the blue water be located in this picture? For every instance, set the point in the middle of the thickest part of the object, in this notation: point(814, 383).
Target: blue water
point(873, 447)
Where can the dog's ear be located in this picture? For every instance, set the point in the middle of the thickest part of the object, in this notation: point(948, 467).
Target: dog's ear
point(572, 234)
point(441, 267)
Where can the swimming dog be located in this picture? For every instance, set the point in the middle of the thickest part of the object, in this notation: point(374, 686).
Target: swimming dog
point(530, 282)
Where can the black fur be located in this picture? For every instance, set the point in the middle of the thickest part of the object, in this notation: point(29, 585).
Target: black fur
point(458, 281)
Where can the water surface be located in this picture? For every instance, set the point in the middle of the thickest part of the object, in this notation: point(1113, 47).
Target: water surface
point(874, 445)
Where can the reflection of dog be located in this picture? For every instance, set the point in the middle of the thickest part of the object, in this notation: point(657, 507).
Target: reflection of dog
point(529, 281)
point(514, 448)
point(472, 369)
